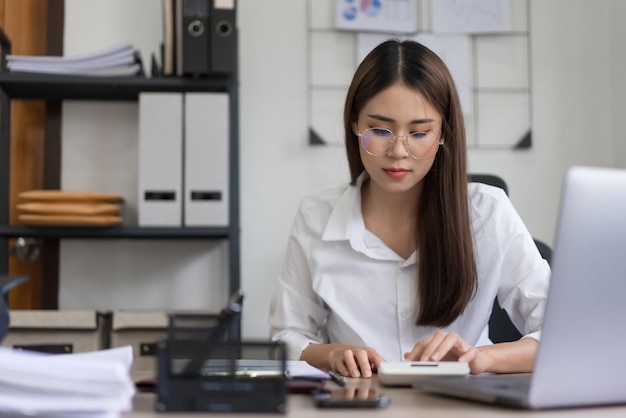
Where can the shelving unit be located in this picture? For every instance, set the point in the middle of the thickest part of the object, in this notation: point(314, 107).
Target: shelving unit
point(66, 87)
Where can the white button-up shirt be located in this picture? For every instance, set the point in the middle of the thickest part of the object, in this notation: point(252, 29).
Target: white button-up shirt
point(341, 277)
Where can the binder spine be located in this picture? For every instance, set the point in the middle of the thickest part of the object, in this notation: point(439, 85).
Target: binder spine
point(160, 159)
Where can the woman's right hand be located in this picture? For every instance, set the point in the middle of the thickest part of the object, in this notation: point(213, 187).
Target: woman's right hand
point(347, 360)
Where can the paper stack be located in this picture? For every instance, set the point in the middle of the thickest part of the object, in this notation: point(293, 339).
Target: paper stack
point(118, 60)
point(95, 384)
point(68, 208)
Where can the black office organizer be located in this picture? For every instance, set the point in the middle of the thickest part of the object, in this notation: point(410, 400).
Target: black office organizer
point(6, 284)
point(199, 370)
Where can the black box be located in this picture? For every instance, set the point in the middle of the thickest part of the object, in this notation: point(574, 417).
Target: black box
point(224, 377)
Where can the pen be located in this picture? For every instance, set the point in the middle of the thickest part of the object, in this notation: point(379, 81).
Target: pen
point(337, 378)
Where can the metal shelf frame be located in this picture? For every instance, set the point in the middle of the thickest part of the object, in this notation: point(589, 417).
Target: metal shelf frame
point(52, 87)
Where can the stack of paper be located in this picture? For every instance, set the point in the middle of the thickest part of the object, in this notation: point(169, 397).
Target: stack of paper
point(68, 208)
point(298, 369)
point(95, 384)
point(118, 60)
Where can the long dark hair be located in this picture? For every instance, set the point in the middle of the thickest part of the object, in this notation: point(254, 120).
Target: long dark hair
point(447, 276)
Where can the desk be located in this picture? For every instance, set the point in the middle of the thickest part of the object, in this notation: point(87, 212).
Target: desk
point(405, 402)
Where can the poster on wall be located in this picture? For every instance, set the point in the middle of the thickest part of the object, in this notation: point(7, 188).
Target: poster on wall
point(471, 16)
point(399, 16)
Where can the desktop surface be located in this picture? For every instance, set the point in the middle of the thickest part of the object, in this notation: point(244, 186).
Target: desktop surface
point(405, 402)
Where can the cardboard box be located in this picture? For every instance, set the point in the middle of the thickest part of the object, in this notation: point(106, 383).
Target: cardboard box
point(57, 331)
point(141, 330)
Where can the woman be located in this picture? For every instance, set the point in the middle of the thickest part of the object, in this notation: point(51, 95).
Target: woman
point(405, 262)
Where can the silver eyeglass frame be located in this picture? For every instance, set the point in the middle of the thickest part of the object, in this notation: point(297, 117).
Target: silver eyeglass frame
point(392, 142)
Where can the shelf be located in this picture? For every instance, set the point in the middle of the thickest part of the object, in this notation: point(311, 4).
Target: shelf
point(69, 87)
point(114, 232)
point(59, 87)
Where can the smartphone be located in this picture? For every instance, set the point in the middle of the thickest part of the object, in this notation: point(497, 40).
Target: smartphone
point(350, 398)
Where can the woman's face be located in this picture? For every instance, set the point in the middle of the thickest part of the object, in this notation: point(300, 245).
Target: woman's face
point(404, 112)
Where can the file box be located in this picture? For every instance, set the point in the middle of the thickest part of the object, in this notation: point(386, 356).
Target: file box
point(142, 329)
point(57, 331)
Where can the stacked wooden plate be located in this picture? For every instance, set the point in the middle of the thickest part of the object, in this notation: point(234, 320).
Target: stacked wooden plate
point(68, 208)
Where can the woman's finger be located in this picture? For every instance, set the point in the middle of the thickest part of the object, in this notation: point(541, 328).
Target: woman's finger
point(432, 347)
point(351, 365)
point(363, 362)
point(418, 349)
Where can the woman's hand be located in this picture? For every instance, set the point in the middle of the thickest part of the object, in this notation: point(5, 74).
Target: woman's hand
point(347, 360)
point(449, 346)
point(513, 357)
point(354, 361)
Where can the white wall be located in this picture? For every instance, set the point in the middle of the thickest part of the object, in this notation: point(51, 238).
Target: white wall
point(578, 59)
point(571, 112)
point(617, 41)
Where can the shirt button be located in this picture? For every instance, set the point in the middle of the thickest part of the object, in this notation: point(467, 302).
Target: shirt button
point(405, 314)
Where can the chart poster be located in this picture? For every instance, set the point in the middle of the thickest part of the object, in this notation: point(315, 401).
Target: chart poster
point(390, 16)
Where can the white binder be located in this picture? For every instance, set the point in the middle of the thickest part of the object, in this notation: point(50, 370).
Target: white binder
point(206, 180)
point(160, 159)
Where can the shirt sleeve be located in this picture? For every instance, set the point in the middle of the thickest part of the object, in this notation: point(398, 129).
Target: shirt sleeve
point(525, 275)
point(297, 313)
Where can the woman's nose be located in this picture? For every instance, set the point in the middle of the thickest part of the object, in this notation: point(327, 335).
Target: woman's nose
point(399, 149)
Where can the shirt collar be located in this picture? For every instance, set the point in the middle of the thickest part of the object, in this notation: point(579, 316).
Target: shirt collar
point(346, 223)
point(346, 217)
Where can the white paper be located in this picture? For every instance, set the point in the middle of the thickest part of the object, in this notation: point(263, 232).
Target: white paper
point(120, 71)
point(92, 384)
point(471, 16)
point(390, 16)
point(117, 60)
point(302, 369)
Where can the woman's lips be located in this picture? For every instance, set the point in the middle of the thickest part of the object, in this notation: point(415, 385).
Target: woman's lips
point(396, 173)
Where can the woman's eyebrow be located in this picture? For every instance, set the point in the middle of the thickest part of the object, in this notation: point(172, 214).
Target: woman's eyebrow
point(390, 120)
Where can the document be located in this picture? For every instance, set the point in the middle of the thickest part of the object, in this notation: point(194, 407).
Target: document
point(118, 60)
point(298, 369)
point(471, 16)
point(295, 369)
point(86, 384)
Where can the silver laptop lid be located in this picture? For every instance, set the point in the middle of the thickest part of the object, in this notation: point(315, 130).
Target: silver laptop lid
point(581, 357)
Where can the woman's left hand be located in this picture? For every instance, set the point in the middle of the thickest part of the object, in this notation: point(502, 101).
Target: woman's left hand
point(449, 346)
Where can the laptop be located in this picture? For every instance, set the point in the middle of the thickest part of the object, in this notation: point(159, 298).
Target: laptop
point(580, 360)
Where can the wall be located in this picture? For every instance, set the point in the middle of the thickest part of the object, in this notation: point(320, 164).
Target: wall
point(617, 42)
point(576, 68)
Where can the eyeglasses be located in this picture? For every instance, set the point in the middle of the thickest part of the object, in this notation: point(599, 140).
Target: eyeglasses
point(379, 141)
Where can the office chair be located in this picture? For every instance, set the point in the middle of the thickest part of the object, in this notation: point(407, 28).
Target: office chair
point(501, 329)
point(6, 283)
